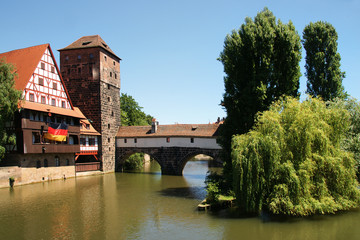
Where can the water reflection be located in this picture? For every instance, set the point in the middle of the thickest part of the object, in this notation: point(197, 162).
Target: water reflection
point(145, 206)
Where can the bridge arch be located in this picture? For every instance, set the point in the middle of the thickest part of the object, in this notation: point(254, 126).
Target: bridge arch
point(172, 160)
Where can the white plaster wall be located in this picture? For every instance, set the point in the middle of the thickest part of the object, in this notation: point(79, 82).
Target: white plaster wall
point(209, 143)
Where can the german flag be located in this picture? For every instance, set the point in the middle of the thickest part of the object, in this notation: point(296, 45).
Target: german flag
point(57, 132)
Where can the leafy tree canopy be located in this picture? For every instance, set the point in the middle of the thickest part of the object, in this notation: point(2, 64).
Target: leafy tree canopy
point(292, 162)
point(9, 98)
point(131, 112)
point(261, 63)
point(324, 77)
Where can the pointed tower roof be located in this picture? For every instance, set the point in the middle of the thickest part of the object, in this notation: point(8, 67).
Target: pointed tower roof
point(25, 61)
point(90, 42)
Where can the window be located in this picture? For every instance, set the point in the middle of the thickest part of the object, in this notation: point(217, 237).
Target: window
point(38, 164)
point(31, 97)
point(105, 58)
point(109, 126)
point(43, 66)
point(57, 161)
point(91, 141)
point(168, 140)
point(87, 126)
point(115, 76)
point(66, 58)
point(135, 140)
point(41, 81)
point(114, 63)
point(108, 140)
point(71, 140)
point(192, 140)
point(54, 85)
point(91, 56)
point(112, 113)
point(52, 69)
point(108, 99)
point(125, 140)
point(63, 104)
point(83, 141)
point(108, 86)
point(79, 57)
point(35, 137)
point(43, 100)
point(53, 102)
point(67, 162)
point(110, 74)
point(46, 164)
point(79, 70)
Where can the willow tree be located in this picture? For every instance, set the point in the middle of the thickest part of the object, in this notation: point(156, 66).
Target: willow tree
point(9, 98)
point(261, 63)
point(292, 162)
point(324, 77)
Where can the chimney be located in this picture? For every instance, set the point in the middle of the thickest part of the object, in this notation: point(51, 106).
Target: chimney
point(154, 125)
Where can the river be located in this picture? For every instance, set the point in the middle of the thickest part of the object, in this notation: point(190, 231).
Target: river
point(146, 206)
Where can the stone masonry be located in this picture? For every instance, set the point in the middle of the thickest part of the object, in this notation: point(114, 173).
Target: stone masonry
point(172, 160)
point(91, 73)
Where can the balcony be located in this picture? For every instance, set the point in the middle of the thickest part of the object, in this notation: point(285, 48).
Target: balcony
point(89, 166)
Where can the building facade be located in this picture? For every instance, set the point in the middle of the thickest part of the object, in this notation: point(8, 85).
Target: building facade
point(45, 101)
point(91, 72)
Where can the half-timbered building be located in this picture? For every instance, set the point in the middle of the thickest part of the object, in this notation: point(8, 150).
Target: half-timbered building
point(45, 101)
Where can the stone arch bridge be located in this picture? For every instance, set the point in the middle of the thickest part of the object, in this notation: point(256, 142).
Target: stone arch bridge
point(172, 146)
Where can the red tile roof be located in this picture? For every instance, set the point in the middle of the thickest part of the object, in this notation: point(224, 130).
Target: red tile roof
point(89, 42)
point(25, 62)
point(83, 121)
point(176, 130)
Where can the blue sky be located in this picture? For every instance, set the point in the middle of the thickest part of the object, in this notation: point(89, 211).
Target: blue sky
point(169, 47)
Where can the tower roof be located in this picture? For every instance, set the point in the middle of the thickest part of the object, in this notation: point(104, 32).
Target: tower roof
point(89, 42)
point(25, 61)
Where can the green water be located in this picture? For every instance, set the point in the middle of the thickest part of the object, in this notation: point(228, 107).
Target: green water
point(145, 206)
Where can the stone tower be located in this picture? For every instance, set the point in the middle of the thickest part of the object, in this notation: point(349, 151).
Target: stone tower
point(91, 72)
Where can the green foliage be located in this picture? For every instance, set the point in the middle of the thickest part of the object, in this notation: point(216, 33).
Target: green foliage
point(134, 162)
point(292, 162)
point(131, 113)
point(261, 63)
point(324, 77)
point(216, 188)
point(9, 98)
point(351, 142)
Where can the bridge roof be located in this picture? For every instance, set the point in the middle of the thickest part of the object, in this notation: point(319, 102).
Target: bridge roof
point(175, 130)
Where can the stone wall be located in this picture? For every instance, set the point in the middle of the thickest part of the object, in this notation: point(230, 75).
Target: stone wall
point(32, 168)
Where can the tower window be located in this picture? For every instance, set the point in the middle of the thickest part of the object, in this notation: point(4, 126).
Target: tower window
point(115, 76)
point(108, 86)
point(112, 113)
point(109, 126)
point(109, 99)
point(114, 63)
point(108, 140)
point(105, 58)
point(110, 74)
